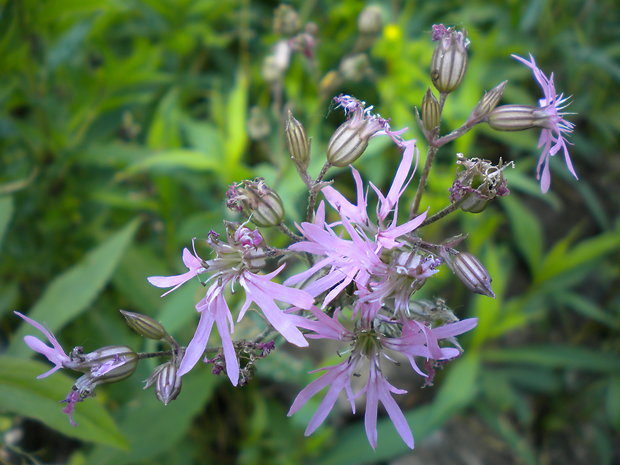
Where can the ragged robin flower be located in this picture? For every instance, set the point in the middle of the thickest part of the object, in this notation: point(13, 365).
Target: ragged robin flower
point(238, 259)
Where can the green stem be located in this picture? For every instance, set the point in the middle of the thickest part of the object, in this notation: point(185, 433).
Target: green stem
point(430, 155)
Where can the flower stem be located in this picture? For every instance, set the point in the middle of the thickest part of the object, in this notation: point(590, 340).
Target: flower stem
point(441, 213)
point(284, 228)
point(313, 191)
point(143, 355)
point(430, 155)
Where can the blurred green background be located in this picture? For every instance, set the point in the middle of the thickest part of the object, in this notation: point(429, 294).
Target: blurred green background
point(122, 122)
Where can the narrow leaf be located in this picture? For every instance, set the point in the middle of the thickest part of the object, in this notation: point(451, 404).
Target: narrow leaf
point(22, 394)
point(73, 291)
point(6, 212)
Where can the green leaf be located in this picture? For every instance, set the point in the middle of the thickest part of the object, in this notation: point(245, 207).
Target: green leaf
point(501, 425)
point(151, 427)
point(526, 230)
point(562, 260)
point(613, 402)
point(236, 134)
point(557, 356)
point(73, 291)
point(6, 212)
point(170, 160)
point(164, 131)
point(487, 309)
point(588, 308)
point(22, 394)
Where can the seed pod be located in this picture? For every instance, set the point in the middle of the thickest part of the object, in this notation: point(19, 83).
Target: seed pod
point(167, 383)
point(487, 103)
point(144, 325)
point(430, 111)
point(449, 61)
point(472, 273)
point(111, 364)
point(514, 118)
point(257, 201)
point(297, 142)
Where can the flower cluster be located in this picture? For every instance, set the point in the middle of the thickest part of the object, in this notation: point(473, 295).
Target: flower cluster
point(362, 262)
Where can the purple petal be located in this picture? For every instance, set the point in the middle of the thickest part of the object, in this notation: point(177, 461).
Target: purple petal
point(454, 329)
point(198, 344)
point(276, 317)
point(223, 320)
point(48, 334)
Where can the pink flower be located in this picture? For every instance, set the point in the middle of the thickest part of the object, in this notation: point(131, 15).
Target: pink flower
point(54, 354)
point(552, 138)
point(235, 262)
point(371, 342)
point(359, 259)
point(193, 263)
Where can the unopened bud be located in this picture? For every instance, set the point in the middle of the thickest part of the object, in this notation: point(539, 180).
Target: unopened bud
point(260, 203)
point(472, 273)
point(297, 142)
point(487, 103)
point(258, 124)
point(144, 325)
point(167, 382)
point(449, 60)
point(354, 67)
point(285, 20)
point(111, 364)
point(430, 111)
point(369, 21)
point(515, 118)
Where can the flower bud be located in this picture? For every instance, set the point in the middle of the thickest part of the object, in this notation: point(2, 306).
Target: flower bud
point(515, 118)
point(144, 325)
point(449, 60)
point(258, 124)
point(354, 67)
point(430, 111)
point(260, 203)
point(167, 383)
point(111, 364)
point(350, 140)
point(369, 20)
point(297, 142)
point(472, 273)
point(487, 103)
point(285, 20)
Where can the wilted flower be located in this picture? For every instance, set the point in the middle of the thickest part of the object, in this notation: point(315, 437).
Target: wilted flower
point(552, 138)
point(254, 198)
point(105, 365)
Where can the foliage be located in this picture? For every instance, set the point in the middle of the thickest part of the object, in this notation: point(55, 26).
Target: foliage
point(123, 122)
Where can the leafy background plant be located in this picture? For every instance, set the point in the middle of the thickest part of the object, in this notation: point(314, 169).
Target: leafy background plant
point(123, 122)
